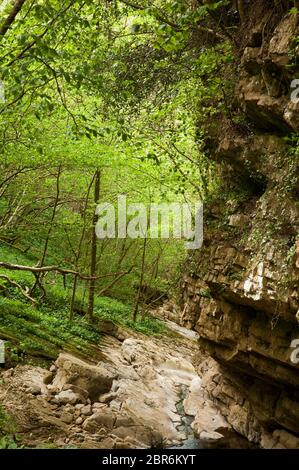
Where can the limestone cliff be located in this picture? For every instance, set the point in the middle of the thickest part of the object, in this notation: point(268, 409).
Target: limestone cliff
point(241, 289)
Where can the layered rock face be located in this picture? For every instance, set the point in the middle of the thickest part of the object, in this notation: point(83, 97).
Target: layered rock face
point(241, 293)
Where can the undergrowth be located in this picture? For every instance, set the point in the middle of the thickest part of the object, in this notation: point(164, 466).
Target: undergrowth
point(7, 430)
point(46, 329)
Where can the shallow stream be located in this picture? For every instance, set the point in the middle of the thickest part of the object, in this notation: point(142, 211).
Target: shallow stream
point(231, 440)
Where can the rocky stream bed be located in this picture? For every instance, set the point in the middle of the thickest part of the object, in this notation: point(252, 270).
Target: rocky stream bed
point(145, 392)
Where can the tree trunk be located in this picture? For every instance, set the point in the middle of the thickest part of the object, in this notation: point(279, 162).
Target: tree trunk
point(138, 297)
point(45, 250)
point(74, 290)
point(78, 254)
point(93, 252)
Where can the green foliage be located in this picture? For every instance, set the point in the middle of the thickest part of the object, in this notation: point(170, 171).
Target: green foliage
point(206, 293)
point(7, 430)
point(291, 166)
point(112, 86)
point(44, 332)
point(4, 420)
point(111, 309)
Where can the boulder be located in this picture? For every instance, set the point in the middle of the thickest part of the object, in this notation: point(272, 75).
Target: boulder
point(67, 396)
point(103, 419)
point(86, 410)
point(133, 350)
point(33, 389)
point(107, 397)
point(289, 441)
point(191, 403)
point(141, 434)
point(210, 436)
point(66, 417)
point(83, 394)
point(96, 380)
point(208, 420)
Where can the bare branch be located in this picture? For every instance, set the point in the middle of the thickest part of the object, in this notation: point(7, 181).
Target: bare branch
point(15, 284)
point(120, 275)
point(57, 269)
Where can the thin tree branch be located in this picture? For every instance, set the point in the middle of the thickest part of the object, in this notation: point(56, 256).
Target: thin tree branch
point(46, 269)
point(105, 289)
point(31, 44)
point(15, 284)
point(11, 17)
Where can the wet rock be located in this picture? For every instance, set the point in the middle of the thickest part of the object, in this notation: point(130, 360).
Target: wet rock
point(267, 441)
point(194, 397)
point(108, 443)
point(210, 436)
point(209, 420)
point(140, 412)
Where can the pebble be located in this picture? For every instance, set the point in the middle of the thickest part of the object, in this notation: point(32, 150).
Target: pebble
point(79, 406)
point(66, 417)
point(86, 410)
point(69, 408)
point(67, 397)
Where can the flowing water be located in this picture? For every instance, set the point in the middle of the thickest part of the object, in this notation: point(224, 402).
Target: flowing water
point(231, 439)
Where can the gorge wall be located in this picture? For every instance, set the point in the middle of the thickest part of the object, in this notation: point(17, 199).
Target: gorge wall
point(240, 292)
